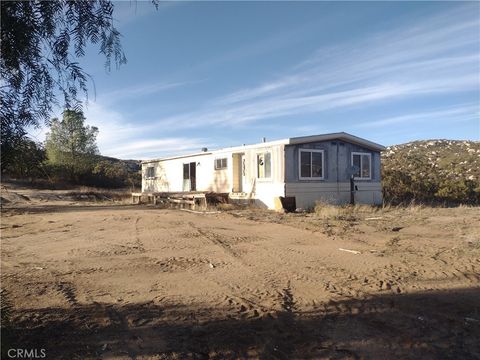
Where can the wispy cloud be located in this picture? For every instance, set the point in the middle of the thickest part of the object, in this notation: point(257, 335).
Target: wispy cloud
point(409, 61)
point(119, 137)
point(153, 148)
point(467, 112)
point(142, 90)
point(423, 58)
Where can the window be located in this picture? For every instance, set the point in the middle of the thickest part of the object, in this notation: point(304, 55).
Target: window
point(150, 172)
point(264, 165)
point(220, 164)
point(363, 164)
point(311, 164)
point(186, 171)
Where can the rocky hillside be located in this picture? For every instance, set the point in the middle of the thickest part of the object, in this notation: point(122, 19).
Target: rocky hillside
point(432, 171)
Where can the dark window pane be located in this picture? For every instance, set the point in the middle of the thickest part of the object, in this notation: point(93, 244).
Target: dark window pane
point(317, 164)
point(365, 166)
point(268, 165)
point(305, 164)
point(186, 171)
point(224, 163)
point(356, 163)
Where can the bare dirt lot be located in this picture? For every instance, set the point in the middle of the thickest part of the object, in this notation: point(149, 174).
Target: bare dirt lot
point(103, 280)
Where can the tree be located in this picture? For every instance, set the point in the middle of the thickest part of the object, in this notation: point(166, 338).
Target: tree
point(40, 42)
point(27, 160)
point(110, 174)
point(72, 144)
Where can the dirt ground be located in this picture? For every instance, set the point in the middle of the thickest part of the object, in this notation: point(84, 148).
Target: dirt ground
point(109, 280)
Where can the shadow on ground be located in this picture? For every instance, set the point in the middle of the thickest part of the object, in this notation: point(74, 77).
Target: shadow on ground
point(436, 324)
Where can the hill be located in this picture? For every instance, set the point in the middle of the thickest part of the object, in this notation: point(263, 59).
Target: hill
point(131, 165)
point(432, 171)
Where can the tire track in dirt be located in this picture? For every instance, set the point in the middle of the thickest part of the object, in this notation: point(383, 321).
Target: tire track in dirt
point(138, 243)
point(217, 240)
point(67, 290)
point(244, 307)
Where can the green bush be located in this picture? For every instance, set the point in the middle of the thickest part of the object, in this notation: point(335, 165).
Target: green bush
point(441, 171)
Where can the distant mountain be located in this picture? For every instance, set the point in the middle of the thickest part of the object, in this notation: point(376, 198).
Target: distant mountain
point(432, 170)
point(132, 165)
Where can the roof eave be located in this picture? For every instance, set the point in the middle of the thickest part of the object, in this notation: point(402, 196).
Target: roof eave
point(338, 136)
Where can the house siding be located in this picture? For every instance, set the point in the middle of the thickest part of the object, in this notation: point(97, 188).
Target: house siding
point(284, 181)
point(169, 174)
point(335, 186)
point(332, 172)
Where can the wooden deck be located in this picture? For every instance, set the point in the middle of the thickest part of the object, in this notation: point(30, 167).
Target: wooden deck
point(196, 200)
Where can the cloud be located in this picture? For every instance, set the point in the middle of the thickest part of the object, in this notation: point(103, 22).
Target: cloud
point(467, 112)
point(122, 138)
point(408, 61)
point(141, 90)
point(431, 56)
point(153, 148)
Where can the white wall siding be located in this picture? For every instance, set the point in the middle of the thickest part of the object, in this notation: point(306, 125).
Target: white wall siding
point(307, 194)
point(169, 175)
point(266, 193)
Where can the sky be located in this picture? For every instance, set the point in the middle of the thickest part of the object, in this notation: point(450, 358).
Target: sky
point(219, 74)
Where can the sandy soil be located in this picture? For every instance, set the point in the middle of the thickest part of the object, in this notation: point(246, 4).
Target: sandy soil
point(117, 281)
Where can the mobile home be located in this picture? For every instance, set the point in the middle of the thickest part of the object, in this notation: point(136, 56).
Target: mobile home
point(308, 169)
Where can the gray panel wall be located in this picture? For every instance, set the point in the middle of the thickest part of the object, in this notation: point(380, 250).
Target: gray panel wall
point(333, 150)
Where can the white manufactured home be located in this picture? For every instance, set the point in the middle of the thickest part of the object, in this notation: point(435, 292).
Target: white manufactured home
point(308, 169)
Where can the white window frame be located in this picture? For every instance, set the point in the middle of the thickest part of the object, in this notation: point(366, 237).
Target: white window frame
point(361, 159)
point(220, 168)
point(311, 158)
point(271, 165)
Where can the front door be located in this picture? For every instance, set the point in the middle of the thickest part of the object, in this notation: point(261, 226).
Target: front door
point(190, 176)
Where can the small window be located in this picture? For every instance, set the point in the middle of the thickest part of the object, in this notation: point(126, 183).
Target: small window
point(311, 164)
point(363, 164)
point(186, 171)
point(150, 172)
point(264, 165)
point(220, 164)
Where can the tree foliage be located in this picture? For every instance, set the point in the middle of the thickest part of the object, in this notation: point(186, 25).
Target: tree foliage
point(432, 171)
point(40, 44)
point(27, 161)
point(72, 144)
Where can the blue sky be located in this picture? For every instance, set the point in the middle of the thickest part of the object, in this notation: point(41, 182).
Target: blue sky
point(219, 74)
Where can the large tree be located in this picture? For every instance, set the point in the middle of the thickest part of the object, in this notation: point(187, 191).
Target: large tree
point(71, 144)
point(41, 42)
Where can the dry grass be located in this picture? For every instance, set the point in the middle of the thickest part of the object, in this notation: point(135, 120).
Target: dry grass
point(356, 212)
point(345, 212)
point(95, 194)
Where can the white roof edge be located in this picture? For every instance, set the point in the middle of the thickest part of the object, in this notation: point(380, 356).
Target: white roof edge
point(340, 135)
point(221, 150)
point(290, 141)
point(177, 157)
